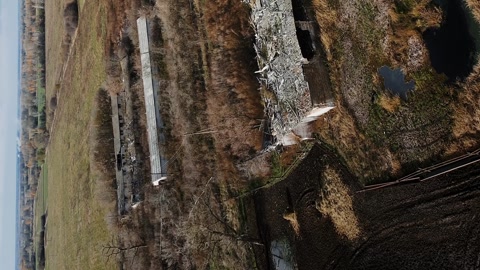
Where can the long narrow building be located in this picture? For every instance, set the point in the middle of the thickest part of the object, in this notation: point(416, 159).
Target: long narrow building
point(152, 132)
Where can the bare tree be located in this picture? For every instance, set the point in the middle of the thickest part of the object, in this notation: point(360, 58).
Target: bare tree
point(115, 248)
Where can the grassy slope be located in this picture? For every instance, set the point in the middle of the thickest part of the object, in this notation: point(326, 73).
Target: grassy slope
point(54, 32)
point(76, 226)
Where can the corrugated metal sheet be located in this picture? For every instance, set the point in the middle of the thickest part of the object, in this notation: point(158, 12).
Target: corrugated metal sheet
point(118, 154)
point(143, 35)
point(155, 161)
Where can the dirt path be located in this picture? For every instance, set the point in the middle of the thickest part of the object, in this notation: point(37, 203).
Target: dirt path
point(59, 94)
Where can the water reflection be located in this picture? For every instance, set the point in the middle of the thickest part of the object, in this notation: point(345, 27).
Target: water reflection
point(282, 257)
point(394, 81)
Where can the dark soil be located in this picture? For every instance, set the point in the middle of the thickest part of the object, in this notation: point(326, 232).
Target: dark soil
point(429, 225)
point(317, 240)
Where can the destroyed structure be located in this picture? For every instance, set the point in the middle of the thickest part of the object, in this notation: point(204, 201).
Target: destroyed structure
point(289, 58)
point(151, 105)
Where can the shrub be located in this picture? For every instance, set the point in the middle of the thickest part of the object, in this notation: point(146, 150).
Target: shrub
point(70, 15)
point(336, 202)
point(53, 103)
point(102, 149)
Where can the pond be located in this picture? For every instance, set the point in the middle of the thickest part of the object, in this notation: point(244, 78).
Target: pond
point(394, 81)
point(281, 255)
point(452, 46)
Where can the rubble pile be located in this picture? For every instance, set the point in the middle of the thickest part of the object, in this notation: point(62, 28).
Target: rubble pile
point(280, 61)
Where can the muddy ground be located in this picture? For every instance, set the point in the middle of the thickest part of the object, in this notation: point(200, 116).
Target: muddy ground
point(429, 225)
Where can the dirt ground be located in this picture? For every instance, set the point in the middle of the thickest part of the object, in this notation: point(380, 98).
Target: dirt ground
point(430, 225)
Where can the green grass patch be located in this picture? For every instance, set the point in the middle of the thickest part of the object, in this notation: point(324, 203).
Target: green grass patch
point(278, 169)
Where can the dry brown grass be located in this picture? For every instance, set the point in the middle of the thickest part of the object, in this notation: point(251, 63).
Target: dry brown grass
point(389, 103)
point(361, 36)
point(475, 8)
point(466, 128)
point(327, 18)
point(230, 103)
point(336, 202)
point(233, 98)
point(365, 159)
point(101, 152)
point(292, 218)
point(209, 102)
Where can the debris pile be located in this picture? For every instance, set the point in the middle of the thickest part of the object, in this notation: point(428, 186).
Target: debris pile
point(280, 62)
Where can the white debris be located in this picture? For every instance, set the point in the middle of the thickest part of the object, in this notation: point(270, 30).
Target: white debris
point(280, 61)
point(159, 181)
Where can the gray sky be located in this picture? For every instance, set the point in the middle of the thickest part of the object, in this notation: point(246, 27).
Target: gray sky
point(8, 126)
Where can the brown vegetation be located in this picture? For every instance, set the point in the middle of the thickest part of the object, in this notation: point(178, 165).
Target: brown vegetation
point(210, 103)
point(474, 8)
point(389, 103)
point(292, 218)
point(466, 127)
point(211, 108)
point(365, 127)
point(102, 158)
point(336, 202)
point(467, 116)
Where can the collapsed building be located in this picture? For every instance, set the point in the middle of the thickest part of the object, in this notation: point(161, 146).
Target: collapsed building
point(289, 56)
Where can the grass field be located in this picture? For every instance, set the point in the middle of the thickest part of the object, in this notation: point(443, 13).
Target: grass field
point(76, 226)
point(40, 209)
